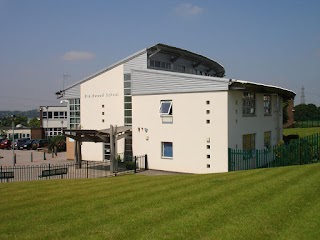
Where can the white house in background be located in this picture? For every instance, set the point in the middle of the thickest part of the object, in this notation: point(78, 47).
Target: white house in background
point(53, 119)
point(184, 114)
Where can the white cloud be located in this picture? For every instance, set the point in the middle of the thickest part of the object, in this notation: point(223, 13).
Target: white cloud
point(78, 56)
point(188, 9)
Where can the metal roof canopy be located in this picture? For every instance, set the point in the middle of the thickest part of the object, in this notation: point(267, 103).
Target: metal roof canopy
point(260, 88)
point(103, 135)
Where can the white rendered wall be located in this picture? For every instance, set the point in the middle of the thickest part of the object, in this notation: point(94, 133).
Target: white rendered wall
point(105, 89)
point(258, 124)
point(189, 132)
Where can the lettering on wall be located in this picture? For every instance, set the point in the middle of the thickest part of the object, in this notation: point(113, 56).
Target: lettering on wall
point(102, 95)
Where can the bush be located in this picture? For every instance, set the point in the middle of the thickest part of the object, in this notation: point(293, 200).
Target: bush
point(130, 165)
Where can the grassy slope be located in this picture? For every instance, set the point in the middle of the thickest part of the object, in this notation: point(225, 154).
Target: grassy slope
point(280, 203)
point(302, 132)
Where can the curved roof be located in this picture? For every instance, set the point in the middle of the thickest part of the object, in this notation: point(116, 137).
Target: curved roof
point(235, 84)
point(196, 58)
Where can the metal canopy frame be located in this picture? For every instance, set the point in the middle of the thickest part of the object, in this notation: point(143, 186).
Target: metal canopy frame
point(110, 135)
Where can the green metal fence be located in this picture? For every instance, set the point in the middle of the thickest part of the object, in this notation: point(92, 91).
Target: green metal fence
point(297, 152)
point(307, 123)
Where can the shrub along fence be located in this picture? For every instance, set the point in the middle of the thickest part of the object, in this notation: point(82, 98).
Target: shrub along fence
point(87, 169)
point(297, 152)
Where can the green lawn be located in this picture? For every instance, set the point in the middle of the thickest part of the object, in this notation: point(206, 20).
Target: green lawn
point(279, 203)
point(302, 132)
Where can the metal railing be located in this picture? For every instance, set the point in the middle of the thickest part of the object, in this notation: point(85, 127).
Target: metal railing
point(300, 151)
point(87, 169)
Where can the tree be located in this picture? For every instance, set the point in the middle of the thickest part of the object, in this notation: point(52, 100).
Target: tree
point(305, 112)
point(34, 123)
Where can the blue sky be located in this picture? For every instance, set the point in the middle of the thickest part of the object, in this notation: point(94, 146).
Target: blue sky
point(269, 42)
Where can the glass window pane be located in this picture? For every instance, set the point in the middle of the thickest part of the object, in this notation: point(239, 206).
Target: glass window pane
point(165, 107)
point(167, 149)
point(127, 84)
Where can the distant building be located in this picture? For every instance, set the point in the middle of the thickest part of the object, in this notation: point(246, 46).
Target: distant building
point(290, 113)
point(24, 132)
point(182, 112)
point(53, 119)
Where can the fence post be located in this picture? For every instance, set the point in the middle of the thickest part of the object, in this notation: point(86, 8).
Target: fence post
point(44, 155)
point(146, 162)
point(135, 164)
point(87, 169)
point(31, 157)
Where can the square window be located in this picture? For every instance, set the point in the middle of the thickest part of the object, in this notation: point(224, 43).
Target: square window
point(208, 165)
point(166, 107)
point(102, 106)
point(166, 150)
point(102, 113)
point(208, 146)
point(208, 102)
point(208, 121)
point(208, 156)
point(208, 111)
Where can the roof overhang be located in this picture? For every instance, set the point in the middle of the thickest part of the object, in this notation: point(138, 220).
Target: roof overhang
point(182, 53)
point(260, 88)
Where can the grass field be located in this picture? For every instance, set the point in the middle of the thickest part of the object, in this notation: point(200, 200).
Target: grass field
point(302, 132)
point(279, 203)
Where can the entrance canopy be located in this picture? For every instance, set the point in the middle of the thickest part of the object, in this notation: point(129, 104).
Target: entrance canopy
point(110, 135)
point(103, 135)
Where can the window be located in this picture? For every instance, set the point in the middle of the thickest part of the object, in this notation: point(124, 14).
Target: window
point(208, 102)
point(208, 121)
point(102, 113)
point(248, 104)
point(267, 139)
point(159, 64)
point(127, 99)
point(166, 150)
point(208, 146)
point(267, 105)
point(166, 107)
point(208, 111)
point(208, 156)
point(249, 141)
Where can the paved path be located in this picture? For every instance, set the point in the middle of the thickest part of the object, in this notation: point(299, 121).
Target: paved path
point(23, 157)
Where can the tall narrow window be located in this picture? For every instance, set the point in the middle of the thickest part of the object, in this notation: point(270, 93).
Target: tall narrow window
point(166, 107)
point(267, 139)
point(267, 105)
point(166, 149)
point(127, 99)
point(248, 104)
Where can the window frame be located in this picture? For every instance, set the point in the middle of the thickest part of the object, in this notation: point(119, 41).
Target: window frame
point(267, 139)
point(169, 111)
point(267, 100)
point(248, 102)
point(250, 141)
point(164, 150)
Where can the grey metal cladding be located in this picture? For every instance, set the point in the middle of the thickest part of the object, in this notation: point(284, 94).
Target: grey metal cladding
point(145, 82)
point(73, 92)
point(138, 62)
